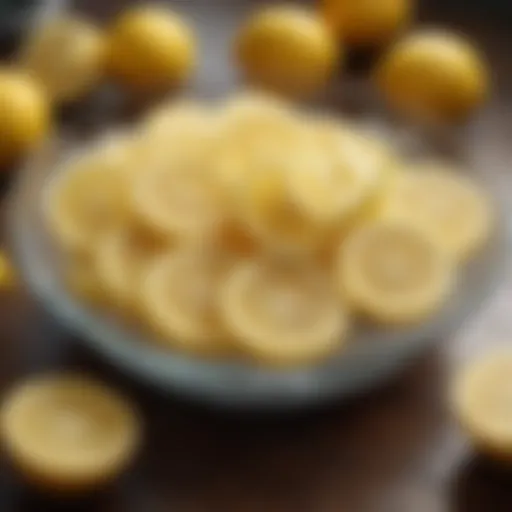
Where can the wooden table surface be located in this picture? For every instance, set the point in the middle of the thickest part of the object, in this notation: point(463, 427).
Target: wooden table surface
point(395, 450)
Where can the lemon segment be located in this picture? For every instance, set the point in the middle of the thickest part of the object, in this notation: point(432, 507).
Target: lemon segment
point(68, 433)
point(282, 316)
point(393, 273)
point(178, 296)
point(481, 400)
point(150, 49)
point(66, 55)
point(449, 206)
point(287, 49)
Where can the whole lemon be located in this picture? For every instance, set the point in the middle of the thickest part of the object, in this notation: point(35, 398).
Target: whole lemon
point(150, 48)
point(367, 22)
point(24, 115)
point(434, 74)
point(66, 55)
point(287, 49)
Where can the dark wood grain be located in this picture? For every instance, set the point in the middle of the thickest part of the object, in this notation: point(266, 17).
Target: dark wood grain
point(395, 450)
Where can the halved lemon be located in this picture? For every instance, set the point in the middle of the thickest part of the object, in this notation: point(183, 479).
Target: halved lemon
point(176, 201)
point(178, 296)
point(120, 260)
point(452, 208)
point(88, 197)
point(68, 433)
point(282, 315)
point(393, 273)
point(482, 402)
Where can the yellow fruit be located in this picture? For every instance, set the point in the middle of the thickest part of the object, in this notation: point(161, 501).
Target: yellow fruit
point(367, 22)
point(82, 279)
point(337, 177)
point(393, 273)
point(176, 201)
point(68, 433)
point(182, 133)
point(434, 74)
point(265, 206)
point(66, 55)
point(7, 273)
point(88, 197)
point(287, 49)
point(150, 49)
point(24, 115)
point(450, 207)
point(481, 402)
point(178, 297)
point(282, 315)
point(121, 258)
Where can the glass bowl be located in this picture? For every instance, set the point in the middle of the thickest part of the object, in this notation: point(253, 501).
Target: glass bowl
point(373, 356)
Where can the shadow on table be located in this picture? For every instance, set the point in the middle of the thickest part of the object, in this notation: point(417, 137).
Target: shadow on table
point(481, 486)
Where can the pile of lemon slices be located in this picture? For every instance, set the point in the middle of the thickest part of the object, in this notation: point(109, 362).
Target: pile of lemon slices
point(251, 229)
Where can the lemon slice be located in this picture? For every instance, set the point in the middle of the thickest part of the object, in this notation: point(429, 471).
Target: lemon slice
point(265, 206)
point(88, 197)
point(283, 316)
point(66, 55)
point(482, 401)
point(176, 201)
point(178, 296)
point(337, 176)
point(393, 273)
point(451, 207)
point(121, 258)
point(185, 119)
point(68, 433)
point(82, 279)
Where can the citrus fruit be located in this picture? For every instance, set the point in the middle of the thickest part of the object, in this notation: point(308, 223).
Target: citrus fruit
point(68, 433)
point(337, 177)
point(66, 55)
point(453, 209)
point(7, 273)
point(178, 297)
point(150, 49)
point(25, 117)
point(282, 314)
point(287, 49)
point(121, 258)
point(367, 22)
point(176, 200)
point(393, 273)
point(87, 197)
point(481, 402)
point(434, 74)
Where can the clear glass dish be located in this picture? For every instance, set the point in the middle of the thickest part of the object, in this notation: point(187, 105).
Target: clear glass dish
point(374, 354)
